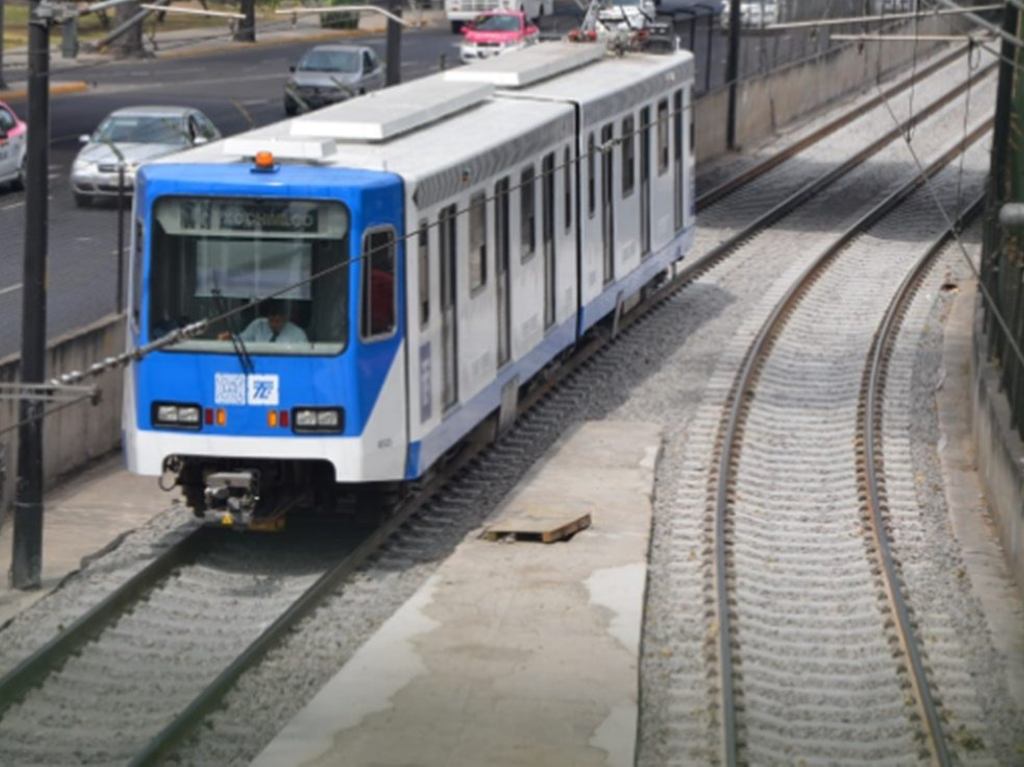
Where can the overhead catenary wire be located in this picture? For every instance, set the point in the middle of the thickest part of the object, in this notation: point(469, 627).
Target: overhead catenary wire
point(951, 223)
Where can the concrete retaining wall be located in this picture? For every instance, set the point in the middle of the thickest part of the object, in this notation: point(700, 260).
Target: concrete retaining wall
point(1000, 451)
point(767, 103)
point(76, 434)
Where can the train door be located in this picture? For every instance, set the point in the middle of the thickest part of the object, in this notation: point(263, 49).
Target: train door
point(645, 182)
point(449, 346)
point(548, 236)
point(502, 243)
point(608, 201)
point(677, 157)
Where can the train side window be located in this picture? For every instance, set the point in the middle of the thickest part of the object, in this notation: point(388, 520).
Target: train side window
point(423, 254)
point(477, 241)
point(137, 274)
point(662, 137)
point(677, 157)
point(378, 283)
point(527, 214)
point(591, 176)
point(567, 182)
point(628, 157)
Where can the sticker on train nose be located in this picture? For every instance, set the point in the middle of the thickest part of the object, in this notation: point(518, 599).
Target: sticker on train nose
point(229, 389)
point(263, 389)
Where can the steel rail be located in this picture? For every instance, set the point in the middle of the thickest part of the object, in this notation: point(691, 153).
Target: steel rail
point(730, 429)
point(808, 191)
point(871, 476)
point(757, 170)
point(51, 656)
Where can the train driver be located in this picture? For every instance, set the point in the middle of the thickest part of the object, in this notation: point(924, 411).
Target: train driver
point(273, 327)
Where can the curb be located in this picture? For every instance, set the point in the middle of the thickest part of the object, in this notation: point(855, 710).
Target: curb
point(58, 89)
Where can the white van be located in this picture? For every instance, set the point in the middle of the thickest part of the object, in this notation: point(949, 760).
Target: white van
point(461, 11)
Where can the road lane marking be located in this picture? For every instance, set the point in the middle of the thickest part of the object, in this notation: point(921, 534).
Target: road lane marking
point(10, 289)
point(13, 205)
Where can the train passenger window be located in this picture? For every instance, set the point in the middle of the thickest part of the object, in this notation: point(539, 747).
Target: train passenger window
point(567, 183)
point(662, 137)
point(477, 241)
point(628, 157)
point(527, 214)
point(591, 176)
point(423, 254)
point(378, 318)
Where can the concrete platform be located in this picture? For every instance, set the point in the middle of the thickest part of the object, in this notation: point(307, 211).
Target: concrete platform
point(512, 653)
point(81, 518)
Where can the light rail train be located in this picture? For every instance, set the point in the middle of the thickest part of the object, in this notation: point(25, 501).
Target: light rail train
point(428, 248)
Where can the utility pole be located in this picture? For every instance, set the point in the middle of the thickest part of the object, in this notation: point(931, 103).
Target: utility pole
point(393, 74)
point(3, 84)
point(27, 559)
point(246, 31)
point(732, 71)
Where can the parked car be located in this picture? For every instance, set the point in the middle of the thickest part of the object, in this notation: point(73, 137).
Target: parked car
point(13, 137)
point(491, 34)
point(328, 74)
point(134, 135)
point(754, 14)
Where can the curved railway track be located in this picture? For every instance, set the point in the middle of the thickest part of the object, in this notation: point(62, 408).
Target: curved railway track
point(103, 620)
point(725, 489)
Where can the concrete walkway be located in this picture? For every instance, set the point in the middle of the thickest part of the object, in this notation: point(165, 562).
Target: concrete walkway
point(512, 653)
point(80, 519)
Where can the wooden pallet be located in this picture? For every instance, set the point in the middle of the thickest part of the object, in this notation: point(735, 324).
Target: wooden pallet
point(546, 526)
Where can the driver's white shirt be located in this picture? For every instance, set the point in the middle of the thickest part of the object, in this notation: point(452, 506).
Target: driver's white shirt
point(259, 330)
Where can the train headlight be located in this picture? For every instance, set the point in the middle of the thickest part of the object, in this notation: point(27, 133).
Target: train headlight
point(317, 419)
point(175, 415)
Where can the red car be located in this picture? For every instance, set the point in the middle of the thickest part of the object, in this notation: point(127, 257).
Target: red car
point(495, 33)
point(13, 137)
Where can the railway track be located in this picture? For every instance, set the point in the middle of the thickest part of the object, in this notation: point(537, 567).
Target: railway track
point(74, 643)
point(817, 567)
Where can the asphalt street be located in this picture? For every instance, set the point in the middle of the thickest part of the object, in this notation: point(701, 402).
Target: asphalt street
point(237, 87)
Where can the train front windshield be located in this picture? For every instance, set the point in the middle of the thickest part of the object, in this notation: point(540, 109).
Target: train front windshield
point(212, 255)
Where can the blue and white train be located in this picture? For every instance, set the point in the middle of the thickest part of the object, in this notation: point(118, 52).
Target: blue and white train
point(431, 247)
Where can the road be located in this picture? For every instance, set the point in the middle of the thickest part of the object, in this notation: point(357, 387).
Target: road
point(238, 87)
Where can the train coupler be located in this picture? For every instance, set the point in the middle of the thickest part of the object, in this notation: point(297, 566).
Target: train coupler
point(231, 498)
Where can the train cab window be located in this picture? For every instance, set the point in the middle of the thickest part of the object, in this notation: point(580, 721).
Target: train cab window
point(136, 302)
point(214, 255)
point(378, 267)
point(423, 257)
point(663, 148)
point(591, 176)
point(628, 157)
point(567, 186)
point(527, 214)
point(477, 241)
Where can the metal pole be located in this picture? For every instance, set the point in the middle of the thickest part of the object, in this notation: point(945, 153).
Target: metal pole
point(711, 48)
point(394, 46)
point(3, 84)
point(27, 559)
point(732, 71)
point(120, 237)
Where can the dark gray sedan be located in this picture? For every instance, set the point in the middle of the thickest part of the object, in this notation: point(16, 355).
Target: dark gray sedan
point(132, 136)
point(328, 74)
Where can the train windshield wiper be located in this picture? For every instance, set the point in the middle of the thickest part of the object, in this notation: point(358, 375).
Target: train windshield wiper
point(236, 339)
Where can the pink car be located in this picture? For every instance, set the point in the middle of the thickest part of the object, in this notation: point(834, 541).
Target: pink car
point(495, 33)
point(13, 137)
